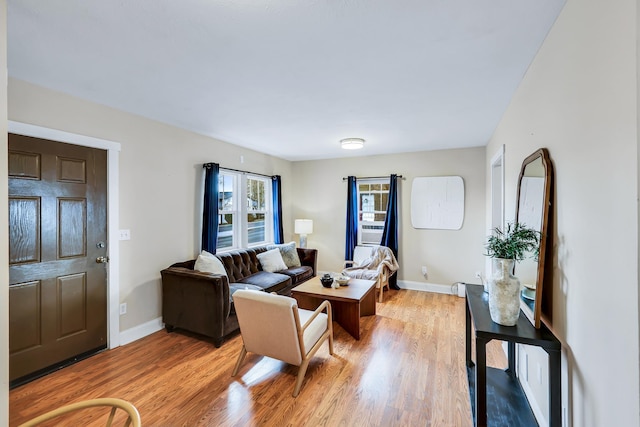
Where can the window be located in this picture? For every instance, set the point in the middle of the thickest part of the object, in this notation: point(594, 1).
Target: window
point(248, 223)
point(373, 196)
point(257, 209)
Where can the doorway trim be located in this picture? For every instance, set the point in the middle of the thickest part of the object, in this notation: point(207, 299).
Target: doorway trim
point(113, 266)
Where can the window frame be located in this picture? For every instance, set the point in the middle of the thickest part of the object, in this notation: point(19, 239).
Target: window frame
point(240, 210)
point(379, 225)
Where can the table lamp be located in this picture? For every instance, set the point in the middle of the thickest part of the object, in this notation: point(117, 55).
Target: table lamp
point(303, 227)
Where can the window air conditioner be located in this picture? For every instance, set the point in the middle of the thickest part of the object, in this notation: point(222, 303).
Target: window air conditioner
point(371, 233)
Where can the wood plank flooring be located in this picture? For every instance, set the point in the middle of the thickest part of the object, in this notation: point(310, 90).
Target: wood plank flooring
point(407, 370)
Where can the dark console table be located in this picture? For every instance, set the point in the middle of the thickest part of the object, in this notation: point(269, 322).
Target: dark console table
point(496, 394)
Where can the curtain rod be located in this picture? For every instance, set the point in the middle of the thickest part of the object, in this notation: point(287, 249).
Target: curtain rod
point(241, 171)
point(373, 177)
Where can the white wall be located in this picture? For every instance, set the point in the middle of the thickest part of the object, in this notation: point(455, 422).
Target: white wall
point(450, 255)
point(160, 170)
point(160, 185)
point(4, 219)
point(578, 99)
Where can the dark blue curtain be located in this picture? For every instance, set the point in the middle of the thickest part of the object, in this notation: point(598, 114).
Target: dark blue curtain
point(210, 208)
point(390, 233)
point(352, 218)
point(276, 192)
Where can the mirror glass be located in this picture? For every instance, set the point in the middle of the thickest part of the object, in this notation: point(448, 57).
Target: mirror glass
point(533, 209)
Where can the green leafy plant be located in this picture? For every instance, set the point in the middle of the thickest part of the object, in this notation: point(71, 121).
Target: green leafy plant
point(515, 242)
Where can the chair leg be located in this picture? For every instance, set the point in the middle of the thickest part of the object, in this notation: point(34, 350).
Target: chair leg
point(301, 371)
point(241, 356)
point(381, 290)
point(384, 282)
point(331, 340)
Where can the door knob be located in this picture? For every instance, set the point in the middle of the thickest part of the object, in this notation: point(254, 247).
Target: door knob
point(102, 259)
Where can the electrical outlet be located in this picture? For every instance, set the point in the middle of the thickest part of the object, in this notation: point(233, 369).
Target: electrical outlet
point(424, 270)
point(123, 308)
point(124, 235)
point(478, 275)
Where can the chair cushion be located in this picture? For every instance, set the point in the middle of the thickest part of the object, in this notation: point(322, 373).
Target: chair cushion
point(315, 330)
point(267, 325)
point(361, 254)
point(271, 261)
point(363, 274)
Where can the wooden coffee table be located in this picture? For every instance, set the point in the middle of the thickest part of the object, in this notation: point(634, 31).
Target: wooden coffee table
point(348, 303)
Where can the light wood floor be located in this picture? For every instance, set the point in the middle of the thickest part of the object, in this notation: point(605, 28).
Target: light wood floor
point(407, 370)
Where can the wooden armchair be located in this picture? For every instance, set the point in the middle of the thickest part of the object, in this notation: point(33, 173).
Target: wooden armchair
point(372, 263)
point(273, 325)
point(132, 415)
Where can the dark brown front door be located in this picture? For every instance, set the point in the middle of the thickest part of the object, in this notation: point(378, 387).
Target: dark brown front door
point(57, 231)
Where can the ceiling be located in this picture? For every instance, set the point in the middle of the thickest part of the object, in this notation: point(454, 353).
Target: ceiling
point(290, 77)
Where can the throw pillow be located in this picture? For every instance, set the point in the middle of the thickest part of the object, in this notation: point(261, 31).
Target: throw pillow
point(209, 263)
point(271, 261)
point(289, 254)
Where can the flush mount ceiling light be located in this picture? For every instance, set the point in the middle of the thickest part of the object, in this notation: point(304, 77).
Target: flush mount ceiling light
point(352, 143)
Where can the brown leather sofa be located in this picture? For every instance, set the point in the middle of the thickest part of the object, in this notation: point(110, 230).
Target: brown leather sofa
point(202, 302)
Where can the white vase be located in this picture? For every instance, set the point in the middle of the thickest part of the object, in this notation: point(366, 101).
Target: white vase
point(504, 293)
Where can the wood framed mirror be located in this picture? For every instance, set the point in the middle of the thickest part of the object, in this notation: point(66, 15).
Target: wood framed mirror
point(533, 208)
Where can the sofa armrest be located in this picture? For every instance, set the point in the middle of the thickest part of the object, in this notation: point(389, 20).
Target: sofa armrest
point(195, 300)
point(189, 275)
point(185, 264)
point(308, 257)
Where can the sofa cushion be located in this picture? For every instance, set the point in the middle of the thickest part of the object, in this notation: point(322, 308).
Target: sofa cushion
point(270, 282)
point(298, 274)
point(271, 261)
point(233, 287)
point(289, 253)
point(209, 263)
point(239, 264)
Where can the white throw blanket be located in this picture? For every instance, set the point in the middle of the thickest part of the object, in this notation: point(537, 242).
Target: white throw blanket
point(381, 262)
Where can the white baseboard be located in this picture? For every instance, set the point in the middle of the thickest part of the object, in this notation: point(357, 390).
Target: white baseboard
point(541, 418)
point(533, 403)
point(427, 287)
point(415, 286)
point(130, 335)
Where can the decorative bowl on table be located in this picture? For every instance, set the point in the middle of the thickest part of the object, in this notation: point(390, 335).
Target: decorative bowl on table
point(326, 280)
point(342, 280)
point(529, 291)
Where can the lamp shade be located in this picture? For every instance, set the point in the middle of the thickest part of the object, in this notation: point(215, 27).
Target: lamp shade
point(303, 226)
